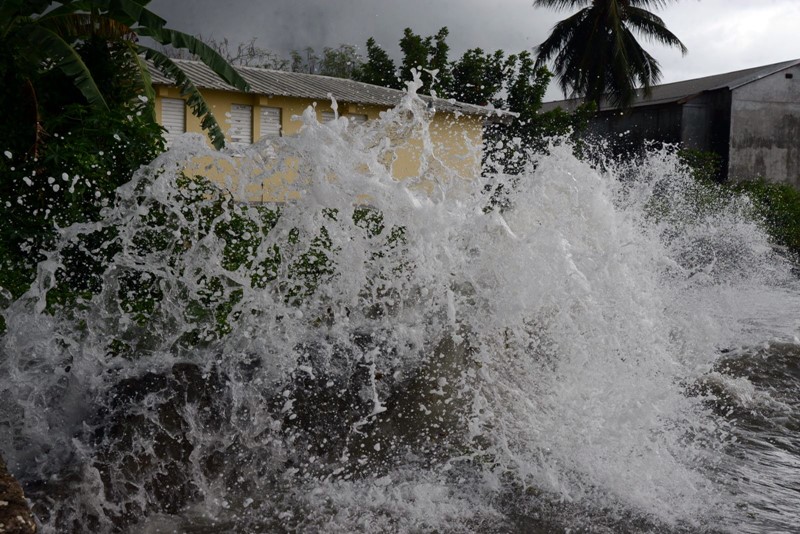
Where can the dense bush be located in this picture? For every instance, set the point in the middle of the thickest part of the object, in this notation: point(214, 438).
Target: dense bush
point(63, 161)
point(776, 206)
point(189, 259)
point(76, 100)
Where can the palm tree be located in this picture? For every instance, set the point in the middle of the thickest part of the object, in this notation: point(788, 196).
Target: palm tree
point(595, 53)
point(42, 36)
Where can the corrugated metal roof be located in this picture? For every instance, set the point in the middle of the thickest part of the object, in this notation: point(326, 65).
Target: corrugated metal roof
point(687, 89)
point(280, 83)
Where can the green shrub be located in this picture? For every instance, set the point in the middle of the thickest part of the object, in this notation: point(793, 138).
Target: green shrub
point(190, 259)
point(778, 206)
point(65, 168)
point(705, 166)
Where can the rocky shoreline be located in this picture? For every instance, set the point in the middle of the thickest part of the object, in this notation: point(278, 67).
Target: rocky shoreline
point(15, 514)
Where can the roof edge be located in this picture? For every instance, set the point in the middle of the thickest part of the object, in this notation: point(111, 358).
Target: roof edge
point(445, 104)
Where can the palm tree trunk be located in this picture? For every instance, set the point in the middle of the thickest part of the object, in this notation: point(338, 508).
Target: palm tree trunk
point(38, 130)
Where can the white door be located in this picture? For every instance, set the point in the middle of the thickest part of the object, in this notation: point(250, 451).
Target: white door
point(270, 122)
point(241, 131)
point(173, 118)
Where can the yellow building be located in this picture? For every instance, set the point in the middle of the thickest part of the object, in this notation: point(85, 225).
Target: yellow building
point(276, 97)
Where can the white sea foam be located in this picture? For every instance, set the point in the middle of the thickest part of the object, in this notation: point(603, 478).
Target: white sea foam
point(449, 357)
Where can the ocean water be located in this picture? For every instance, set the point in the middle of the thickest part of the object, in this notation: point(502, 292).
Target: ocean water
point(610, 348)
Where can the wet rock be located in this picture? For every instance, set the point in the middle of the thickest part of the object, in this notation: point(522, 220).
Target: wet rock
point(422, 413)
point(15, 516)
point(142, 438)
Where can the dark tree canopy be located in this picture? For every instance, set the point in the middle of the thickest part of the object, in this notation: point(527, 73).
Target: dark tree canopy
point(416, 50)
point(246, 54)
point(379, 69)
point(41, 36)
point(594, 52)
point(438, 51)
point(478, 76)
point(78, 93)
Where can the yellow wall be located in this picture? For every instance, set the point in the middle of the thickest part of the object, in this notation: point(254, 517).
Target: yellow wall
point(452, 138)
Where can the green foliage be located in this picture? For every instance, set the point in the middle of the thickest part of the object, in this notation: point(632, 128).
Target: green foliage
point(478, 77)
point(439, 50)
point(427, 54)
point(68, 170)
point(705, 166)
point(509, 146)
point(161, 283)
point(416, 50)
point(778, 206)
point(79, 97)
point(305, 64)
point(38, 41)
point(339, 62)
point(595, 53)
point(514, 83)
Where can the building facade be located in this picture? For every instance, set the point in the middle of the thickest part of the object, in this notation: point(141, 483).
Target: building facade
point(277, 97)
point(750, 118)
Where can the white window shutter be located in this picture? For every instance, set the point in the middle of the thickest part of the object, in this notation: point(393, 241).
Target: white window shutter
point(241, 131)
point(327, 116)
point(173, 117)
point(357, 118)
point(270, 122)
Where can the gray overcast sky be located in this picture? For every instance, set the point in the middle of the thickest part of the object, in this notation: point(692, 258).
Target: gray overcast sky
point(721, 35)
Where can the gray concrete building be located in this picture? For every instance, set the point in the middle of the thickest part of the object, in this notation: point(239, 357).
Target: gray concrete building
point(751, 118)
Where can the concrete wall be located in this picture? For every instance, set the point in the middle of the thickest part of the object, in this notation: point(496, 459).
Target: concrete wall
point(453, 154)
point(628, 131)
point(706, 124)
point(765, 129)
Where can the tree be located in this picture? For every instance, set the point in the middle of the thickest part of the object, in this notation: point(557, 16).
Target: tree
point(415, 53)
point(510, 145)
point(379, 69)
point(247, 54)
point(307, 64)
point(478, 77)
point(65, 168)
point(340, 62)
point(595, 53)
point(78, 113)
point(438, 61)
point(427, 54)
point(39, 38)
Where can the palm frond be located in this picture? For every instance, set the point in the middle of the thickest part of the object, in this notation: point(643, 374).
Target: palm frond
point(561, 34)
point(134, 12)
point(50, 46)
point(650, 4)
point(194, 100)
point(144, 76)
point(652, 27)
point(207, 55)
point(594, 52)
point(561, 4)
point(84, 25)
